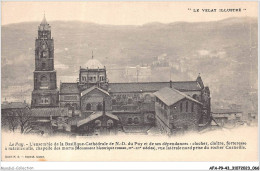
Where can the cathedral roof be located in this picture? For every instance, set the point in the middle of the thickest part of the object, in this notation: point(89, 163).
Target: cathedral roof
point(94, 64)
point(152, 86)
point(170, 96)
point(69, 88)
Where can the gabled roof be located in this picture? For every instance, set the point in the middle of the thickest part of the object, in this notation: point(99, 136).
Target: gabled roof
point(95, 116)
point(14, 105)
point(69, 88)
point(152, 86)
point(170, 96)
point(47, 112)
point(93, 88)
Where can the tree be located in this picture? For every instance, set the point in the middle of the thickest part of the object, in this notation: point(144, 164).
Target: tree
point(25, 120)
point(9, 120)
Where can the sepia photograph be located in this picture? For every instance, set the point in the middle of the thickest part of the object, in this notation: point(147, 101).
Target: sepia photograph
point(129, 81)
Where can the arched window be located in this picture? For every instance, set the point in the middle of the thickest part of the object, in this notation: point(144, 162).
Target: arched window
point(110, 123)
point(67, 105)
point(148, 97)
point(43, 65)
point(113, 101)
point(136, 120)
point(44, 82)
point(99, 107)
point(181, 107)
point(97, 123)
point(150, 117)
point(88, 106)
point(43, 78)
point(129, 121)
point(118, 98)
point(130, 101)
point(187, 106)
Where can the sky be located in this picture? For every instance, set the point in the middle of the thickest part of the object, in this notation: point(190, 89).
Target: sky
point(122, 13)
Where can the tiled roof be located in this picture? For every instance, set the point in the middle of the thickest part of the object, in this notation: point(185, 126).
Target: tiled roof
point(69, 88)
point(152, 86)
point(225, 111)
point(14, 105)
point(95, 116)
point(47, 112)
point(170, 96)
point(92, 88)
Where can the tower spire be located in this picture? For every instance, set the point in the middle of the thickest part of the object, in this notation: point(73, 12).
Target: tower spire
point(44, 21)
point(92, 54)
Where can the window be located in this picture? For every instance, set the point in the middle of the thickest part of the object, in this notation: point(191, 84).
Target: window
point(44, 54)
point(187, 106)
point(148, 97)
point(113, 101)
point(88, 106)
point(98, 123)
point(101, 78)
point(44, 100)
point(181, 107)
point(136, 120)
point(99, 107)
point(43, 65)
point(130, 101)
point(110, 123)
point(129, 121)
point(150, 117)
point(67, 105)
point(44, 82)
point(83, 78)
point(43, 78)
point(192, 107)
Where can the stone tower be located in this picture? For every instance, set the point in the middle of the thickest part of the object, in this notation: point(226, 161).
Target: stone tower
point(45, 93)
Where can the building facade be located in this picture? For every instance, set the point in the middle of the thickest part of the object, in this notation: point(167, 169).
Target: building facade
point(134, 107)
point(176, 111)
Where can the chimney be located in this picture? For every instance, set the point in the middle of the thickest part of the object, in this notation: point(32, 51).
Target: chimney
point(104, 106)
point(170, 83)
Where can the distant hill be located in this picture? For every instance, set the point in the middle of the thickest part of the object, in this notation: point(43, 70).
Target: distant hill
point(219, 50)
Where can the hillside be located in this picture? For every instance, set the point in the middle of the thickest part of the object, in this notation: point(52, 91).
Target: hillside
point(219, 50)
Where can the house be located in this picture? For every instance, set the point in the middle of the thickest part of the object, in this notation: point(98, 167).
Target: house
point(176, 111)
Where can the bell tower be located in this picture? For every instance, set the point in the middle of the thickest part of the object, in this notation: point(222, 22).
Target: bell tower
point(45, 93)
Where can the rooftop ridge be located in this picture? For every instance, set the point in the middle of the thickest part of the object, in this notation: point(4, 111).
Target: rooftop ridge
point(152, 82)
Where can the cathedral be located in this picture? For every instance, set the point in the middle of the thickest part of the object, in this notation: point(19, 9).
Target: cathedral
point(96, 106)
